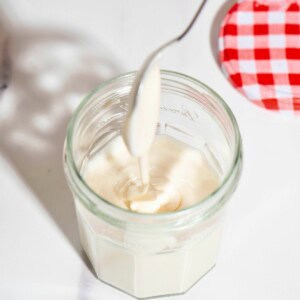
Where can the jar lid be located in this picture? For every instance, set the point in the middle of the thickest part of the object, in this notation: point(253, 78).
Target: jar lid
point(259, 47)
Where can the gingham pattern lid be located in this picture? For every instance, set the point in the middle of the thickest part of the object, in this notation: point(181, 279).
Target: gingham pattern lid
point(259, 47)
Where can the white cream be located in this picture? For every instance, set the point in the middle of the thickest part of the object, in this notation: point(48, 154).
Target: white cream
point(180, 176)
point(156, 263)
point(140, 124)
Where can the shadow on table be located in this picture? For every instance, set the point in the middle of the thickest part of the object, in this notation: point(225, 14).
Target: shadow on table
point(216, 25)
point(50, 73)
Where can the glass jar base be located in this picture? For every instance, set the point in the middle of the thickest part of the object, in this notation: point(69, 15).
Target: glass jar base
point(158, 296)
point(150, 274)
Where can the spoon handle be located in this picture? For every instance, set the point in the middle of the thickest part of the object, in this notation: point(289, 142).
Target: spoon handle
point(185, 32)
point(154, 54)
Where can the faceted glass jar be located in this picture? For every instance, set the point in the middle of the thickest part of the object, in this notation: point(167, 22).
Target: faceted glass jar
point(148, 255)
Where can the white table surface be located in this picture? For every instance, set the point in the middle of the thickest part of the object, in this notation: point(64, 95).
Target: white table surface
point(62, 49)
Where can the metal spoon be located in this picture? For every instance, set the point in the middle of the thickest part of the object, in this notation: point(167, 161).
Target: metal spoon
point(137, 136)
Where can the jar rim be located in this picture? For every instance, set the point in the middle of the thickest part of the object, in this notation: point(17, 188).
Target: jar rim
point(72, 168)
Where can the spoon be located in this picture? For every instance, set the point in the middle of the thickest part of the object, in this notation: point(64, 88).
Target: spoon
point(144, 99)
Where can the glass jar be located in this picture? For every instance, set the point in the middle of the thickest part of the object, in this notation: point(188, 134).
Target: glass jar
point(148, 255)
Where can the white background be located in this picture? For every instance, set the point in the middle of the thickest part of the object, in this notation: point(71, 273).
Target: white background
point(62, 49)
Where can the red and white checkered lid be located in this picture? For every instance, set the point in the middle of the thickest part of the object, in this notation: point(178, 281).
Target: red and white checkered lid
point(259, 47)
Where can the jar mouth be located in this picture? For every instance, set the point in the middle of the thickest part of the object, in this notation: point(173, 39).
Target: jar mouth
point(74, 173)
